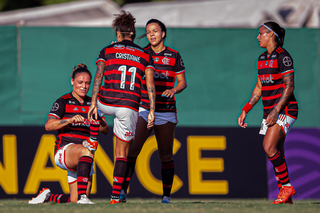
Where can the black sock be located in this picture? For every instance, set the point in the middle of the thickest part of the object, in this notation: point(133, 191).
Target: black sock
point(118, 176)
point(131, 163)
point(83, 174)
point(167, 174)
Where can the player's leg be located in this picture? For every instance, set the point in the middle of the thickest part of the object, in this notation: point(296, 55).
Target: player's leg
point(141, 135)
point(274, 139)
point(165, 137)
point(80, 159)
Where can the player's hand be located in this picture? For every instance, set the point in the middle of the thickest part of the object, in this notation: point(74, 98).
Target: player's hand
point(77, 119)
point(150, 119)
point(93, 112)
point(169, 93)
point(241, 119)
point(272, 117)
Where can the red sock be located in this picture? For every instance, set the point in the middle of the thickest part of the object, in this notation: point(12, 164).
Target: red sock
point(280, 167)
point(83, 174)
point(118, 176)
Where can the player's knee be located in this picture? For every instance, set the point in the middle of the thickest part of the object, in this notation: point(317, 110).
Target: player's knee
point(86, 152)
point(165, 156)
point(269, 149)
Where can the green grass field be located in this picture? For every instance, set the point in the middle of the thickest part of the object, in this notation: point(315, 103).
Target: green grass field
point(154, 206)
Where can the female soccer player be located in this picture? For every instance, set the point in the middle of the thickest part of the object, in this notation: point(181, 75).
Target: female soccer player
point(169, 65)
point(123, 64)
point(68, 115)
point(275, 83)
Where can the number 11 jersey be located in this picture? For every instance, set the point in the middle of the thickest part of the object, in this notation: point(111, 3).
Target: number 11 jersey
point(125, 63)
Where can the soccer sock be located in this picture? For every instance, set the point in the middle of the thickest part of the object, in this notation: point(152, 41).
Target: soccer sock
point(280, 168)
point(278, 180)
point(59, 198)
point(131, 163)
point(118, 176)
point(167, 174)
point(83, 173)
point(94, 129)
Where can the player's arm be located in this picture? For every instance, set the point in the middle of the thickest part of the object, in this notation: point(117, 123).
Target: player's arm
point(93, 111)
point(288, 81)
point(104, 127)
point(256, 95)
point(149, 73)
point(182, 84)
point(54, 123)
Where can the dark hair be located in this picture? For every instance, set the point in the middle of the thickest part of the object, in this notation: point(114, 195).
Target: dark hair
point(80, 68)
point(278, 30)
point(162, 26)
point(124, 23)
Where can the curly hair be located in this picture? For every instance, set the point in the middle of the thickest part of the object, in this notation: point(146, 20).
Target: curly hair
point(80, 68)
point(125, 24)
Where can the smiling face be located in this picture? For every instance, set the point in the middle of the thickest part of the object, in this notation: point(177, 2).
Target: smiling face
point(154, 34)
point(81, 84)
point(264, 37)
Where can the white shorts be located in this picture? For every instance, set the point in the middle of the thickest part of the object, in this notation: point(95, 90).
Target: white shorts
point(60, 161)
point(125, 120)
point(284, 121)
point(160, 117)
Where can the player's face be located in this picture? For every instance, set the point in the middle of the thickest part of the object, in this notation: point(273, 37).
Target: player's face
point(81, 84)
point(263, 37)
point(154, 34)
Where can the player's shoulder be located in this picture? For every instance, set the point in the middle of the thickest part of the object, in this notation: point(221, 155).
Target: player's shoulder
point(65, 97)
point(169, 49)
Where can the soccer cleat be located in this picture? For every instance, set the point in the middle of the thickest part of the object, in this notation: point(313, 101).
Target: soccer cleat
point(115, 201)
point(90, 144)
point(84, 200)
point(289, 201)
point(166, 199)
point(42, 197)
point(285, 193)
point(123, 196)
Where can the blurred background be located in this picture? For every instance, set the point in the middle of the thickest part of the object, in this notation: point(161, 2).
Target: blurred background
point(41, 40)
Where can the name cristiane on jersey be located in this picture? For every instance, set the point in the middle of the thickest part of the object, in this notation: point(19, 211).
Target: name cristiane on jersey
point(127, 56)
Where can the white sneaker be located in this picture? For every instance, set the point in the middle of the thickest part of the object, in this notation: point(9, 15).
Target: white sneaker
point(166, 199)
point(84, 200)
point(42, 196)
point(123, 196)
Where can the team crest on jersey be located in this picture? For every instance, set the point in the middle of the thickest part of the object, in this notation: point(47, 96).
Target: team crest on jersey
point(271, 63)
point(165, 60)
point(287, 61)
point(156, 59)
point(119, 46)
point(55, 107)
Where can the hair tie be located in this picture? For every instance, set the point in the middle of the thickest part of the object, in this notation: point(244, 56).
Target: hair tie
point(270, 30)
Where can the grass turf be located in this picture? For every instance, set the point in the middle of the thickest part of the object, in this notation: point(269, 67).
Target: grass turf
point(154, 206)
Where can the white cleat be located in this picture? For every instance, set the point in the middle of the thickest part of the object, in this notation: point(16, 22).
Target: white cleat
point(42, 196)
point(84, 200)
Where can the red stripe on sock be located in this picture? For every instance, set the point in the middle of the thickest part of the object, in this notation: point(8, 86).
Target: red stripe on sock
point(275, 156)
point(281, 168)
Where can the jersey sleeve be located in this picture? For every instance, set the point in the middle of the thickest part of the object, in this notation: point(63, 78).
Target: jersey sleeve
point(179, 66)
point(101, 56)
point(150, 64)
point(58, 109)
point(285, 63)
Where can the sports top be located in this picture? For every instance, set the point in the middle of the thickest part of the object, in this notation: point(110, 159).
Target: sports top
point(125, 64)
point(66, 107)
point(271, 70)
point(168, 64)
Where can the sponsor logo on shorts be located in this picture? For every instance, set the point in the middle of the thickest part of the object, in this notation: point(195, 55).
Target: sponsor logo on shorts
point(128, 134)
point(60, 158)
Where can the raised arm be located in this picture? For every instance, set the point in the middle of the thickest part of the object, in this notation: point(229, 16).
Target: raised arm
point(288, 81)
point(256, 94)
point(93, 111)
point(149, 73)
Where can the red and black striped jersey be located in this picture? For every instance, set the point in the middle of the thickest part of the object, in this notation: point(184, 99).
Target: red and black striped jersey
point(125, 65)
point(66, 107)
point(271, 70)
point(168, 64)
